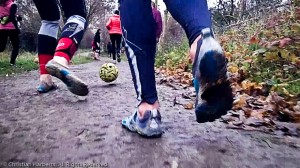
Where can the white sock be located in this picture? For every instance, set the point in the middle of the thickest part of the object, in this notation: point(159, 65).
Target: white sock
point(61, 60)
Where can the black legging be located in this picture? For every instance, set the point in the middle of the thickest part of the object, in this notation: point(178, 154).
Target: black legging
point(49, 11)
point(116, 42)
point(13, 36)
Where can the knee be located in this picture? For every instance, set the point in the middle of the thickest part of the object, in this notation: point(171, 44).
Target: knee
point(49, 28)
point(80, 23)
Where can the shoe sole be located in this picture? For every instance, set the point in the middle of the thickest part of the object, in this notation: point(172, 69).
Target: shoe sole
point(48, 90)
point(215, 107)
point(153, 135)
point(212, 67)
point(142, 134)
point(213, 71)
point(210, 114)
point(74, 84)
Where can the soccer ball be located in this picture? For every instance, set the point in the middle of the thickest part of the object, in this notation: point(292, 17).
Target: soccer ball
point(108, 72)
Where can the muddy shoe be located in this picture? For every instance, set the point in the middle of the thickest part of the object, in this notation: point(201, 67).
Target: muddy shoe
point(74, 84)
point(45, 88)
point(211, 82)
point(217, 101)
point(148, 127)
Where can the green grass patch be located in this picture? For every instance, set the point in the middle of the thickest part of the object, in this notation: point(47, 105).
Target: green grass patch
point(24, 63)
point(81, 59)
point(173, 56)
point(283, 75)
point(292, 87)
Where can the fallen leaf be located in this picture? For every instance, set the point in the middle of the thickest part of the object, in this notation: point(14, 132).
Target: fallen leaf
point(255, 122)
point(260, 51)
point(274, 43)
point(227, 119)
point(239, 102)
point(233, 69)
point(237, 123)
point(189, 106)
point(278, 100)
point(284, 42)
point(254, 40)
point(259, 114)
point(297, 107)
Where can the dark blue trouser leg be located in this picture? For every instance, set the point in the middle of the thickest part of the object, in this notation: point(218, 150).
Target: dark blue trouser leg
point(138, 28)
point(192, 15)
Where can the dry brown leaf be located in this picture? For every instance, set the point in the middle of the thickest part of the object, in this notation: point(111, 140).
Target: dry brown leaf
point(284, 42)
point(247, 84)
point(278, 100)
point(273, 43)
point(233, 69)
point(240, 102)
point(272, 108)
point(189, 106)
point(255, 122)
point(259, 114)
point(287, 115)
point(254, 40)
point(228, 55)
point(297, 107)
point(228, 119)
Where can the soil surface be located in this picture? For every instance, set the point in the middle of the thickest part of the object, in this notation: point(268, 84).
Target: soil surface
point(59, 129)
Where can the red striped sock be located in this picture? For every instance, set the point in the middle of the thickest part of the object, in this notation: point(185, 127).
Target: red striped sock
point(43, 60)
point(65, 48)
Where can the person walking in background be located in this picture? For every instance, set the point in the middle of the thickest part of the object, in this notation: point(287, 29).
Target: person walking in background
point(54, 57)
point(158, 21)
point(96, 44)
point(109, 49)
point(114, 29)
point(209, 64)
point(9, 28)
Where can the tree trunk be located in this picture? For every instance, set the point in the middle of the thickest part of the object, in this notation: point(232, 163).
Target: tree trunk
point(164, 25)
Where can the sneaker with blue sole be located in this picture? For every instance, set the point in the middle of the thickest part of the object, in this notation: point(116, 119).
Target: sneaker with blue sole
point(149, 126)
point(45, 87)
point(74, 84)
point(213, 90)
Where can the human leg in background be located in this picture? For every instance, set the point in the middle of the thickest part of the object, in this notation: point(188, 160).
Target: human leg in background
point(14, 38)
point(113, 40)
point(139, 37)
point(209, 64)
point(118, 49)
point(70, 38)
point(97, 51)
point(47, 40)
point(3, 39)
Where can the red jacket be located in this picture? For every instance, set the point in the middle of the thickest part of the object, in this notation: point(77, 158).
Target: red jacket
point(114, 25)
point(5, 12)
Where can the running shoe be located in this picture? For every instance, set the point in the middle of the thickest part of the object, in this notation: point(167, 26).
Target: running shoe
point(45, 87)
point(149, 126)
point(74, 84)
point(214, 93)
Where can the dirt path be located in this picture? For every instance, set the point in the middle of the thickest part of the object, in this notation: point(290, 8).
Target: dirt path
point(61, 128)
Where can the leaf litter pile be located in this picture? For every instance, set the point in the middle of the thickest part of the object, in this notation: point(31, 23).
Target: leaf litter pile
point(264, 70)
